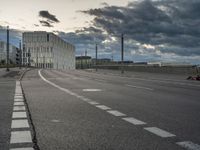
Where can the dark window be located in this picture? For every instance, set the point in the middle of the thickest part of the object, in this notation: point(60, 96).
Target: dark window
point(47, 37)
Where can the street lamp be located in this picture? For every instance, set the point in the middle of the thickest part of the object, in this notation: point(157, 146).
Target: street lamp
point(7, 48)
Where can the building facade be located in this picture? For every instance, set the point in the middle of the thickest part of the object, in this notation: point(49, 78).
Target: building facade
point(47, 50)
point(3, 53)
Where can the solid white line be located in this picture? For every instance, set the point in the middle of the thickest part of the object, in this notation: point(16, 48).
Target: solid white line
point(26, 148)
point(189, 145)
point(116, 113)
point(19, 108)
point(134, 121)
point(19, 115)
point(139, 87)
point(159, 132)
point(20, 137)
point(23, 123)
point(18, 103)
point(103, 107)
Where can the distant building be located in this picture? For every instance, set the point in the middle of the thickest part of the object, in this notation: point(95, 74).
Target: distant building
point(47, 50)
point(83, 62)
point(3, 53)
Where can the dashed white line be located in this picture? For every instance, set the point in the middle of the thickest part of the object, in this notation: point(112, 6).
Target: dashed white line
point(103, 107)
point(189, 145)
point(23, 123)
point(19, 115)
point(20, 137)
point(26, 148)
point(159, 132)
point(116, 113)
point(134, 121)
point(93, 103)
point(139, 87)
point(92, 90)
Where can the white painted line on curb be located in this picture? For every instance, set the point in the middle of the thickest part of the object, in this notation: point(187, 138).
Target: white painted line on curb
point(19, 115)
point(103, 107)
point(18, 103)
point(20, 137)
point(92, 90)
point(18, 100)
point(134, 121)
point(116, 113)
point(26, 148)
point(139, 87)
point(189, 145)
point(159, 132)
point(23, 123)
point(19, 108)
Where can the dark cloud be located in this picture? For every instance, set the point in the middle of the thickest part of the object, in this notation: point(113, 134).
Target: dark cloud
point(45, 23)
point(170, 22)
point(51, 18)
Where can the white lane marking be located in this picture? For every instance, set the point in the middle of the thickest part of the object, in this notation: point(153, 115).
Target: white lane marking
point(20, 137)
point(86, 99)
point(159, 132)
point(19, 108)
point(19, 100)
point(56, 121)
point(116, 113)
point(19, 115)
point(18, 103)
point(92, 90)
point(103, 107)
point(134, 121)
point(26, 148)
point(189, 145)
point(23, 123)
point(139, 87)
point(93, 103)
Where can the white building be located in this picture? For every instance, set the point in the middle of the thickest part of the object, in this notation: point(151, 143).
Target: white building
point(47, 51)
point(3, 53)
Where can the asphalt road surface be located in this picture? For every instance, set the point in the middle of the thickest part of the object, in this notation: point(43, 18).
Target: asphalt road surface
point(79, 110)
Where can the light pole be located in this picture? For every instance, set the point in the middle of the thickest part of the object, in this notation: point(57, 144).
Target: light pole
point(7, 48)
point(20, 54)
point(122, 54)
point(96, 56)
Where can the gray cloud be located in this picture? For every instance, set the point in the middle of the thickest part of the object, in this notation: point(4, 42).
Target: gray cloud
point(45, 23)
point(51, 18)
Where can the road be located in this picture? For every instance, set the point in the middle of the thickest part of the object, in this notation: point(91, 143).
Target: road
point(79, 110)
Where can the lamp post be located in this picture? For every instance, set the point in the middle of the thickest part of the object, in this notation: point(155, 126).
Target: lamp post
point(7, 48)
point(122, 54)
point(96, 56)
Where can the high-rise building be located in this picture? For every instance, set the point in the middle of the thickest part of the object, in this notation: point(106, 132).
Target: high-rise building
point(3, 53)
point(47, 50)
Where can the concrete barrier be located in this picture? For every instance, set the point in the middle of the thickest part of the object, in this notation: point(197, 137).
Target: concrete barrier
point(184, 70)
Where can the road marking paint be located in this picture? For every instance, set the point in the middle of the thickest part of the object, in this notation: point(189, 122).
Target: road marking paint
point(189, 145)
point(19, 108)
point(56, 121)
point(93, 103)
point(26, 148)
point(134, 121)
point(100, 80)
point(92, 90)
point(18, 103)
point(103, 107)
point(20, 123)
point(159, 132)
point(116, 113)
point(19, 115)
point(20, 137)
point(18, 96)
point(86, 99)
point(19, 100)
point(139, 87)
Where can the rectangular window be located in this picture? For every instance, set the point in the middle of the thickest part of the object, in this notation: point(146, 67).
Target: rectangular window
point(47, 37)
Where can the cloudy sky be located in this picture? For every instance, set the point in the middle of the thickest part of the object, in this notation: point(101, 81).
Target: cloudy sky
point(154, 30)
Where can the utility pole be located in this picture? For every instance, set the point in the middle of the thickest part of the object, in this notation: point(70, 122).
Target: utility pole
point(20, 54)
point(122, 54)
point(7, 48)
point(96, 56)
